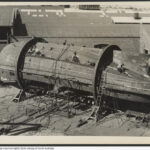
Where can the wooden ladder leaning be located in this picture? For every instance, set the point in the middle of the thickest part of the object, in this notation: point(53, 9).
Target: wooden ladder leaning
point(100, 96)
point(98, 108)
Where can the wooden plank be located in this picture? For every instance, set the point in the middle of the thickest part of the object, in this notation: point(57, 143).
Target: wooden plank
point(127, 96)
point(128, 89)
point(85, 54)
point(63, 69)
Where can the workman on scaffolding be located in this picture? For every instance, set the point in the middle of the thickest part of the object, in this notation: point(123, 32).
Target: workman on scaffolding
point(75, 58)
point(121, 68)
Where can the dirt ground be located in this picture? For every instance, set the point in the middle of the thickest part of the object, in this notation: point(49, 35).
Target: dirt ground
point(33, 116)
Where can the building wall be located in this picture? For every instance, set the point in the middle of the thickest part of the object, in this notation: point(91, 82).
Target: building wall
point(80, 28)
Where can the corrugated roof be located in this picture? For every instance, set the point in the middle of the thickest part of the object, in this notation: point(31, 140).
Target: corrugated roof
point(84, 31)
point(76, 25)
point(6, 16)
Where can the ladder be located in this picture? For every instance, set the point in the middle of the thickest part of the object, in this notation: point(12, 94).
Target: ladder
point(98, 108)
point(100, 98)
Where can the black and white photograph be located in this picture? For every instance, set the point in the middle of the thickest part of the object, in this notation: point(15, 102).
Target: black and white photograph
point(75, 69)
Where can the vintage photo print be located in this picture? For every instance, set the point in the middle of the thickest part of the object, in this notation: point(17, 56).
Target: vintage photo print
point(75, 69)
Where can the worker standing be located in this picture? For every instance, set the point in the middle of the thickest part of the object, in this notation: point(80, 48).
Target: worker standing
point(75, 58)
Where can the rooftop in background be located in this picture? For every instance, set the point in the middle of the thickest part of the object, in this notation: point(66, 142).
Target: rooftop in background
point(131, 20)
point(57, 21)
point(68, 22)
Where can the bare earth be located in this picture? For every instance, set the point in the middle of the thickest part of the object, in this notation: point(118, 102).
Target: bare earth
point(25, 118)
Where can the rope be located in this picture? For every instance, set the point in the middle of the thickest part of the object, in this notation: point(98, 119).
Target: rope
point(58, 58)
point(55, 67)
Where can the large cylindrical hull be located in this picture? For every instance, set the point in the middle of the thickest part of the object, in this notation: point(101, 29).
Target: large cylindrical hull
point(37, 64)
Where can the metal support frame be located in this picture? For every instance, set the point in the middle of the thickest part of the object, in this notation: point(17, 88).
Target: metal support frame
point(21, 57)
point(20, 96)
point(98, 80)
